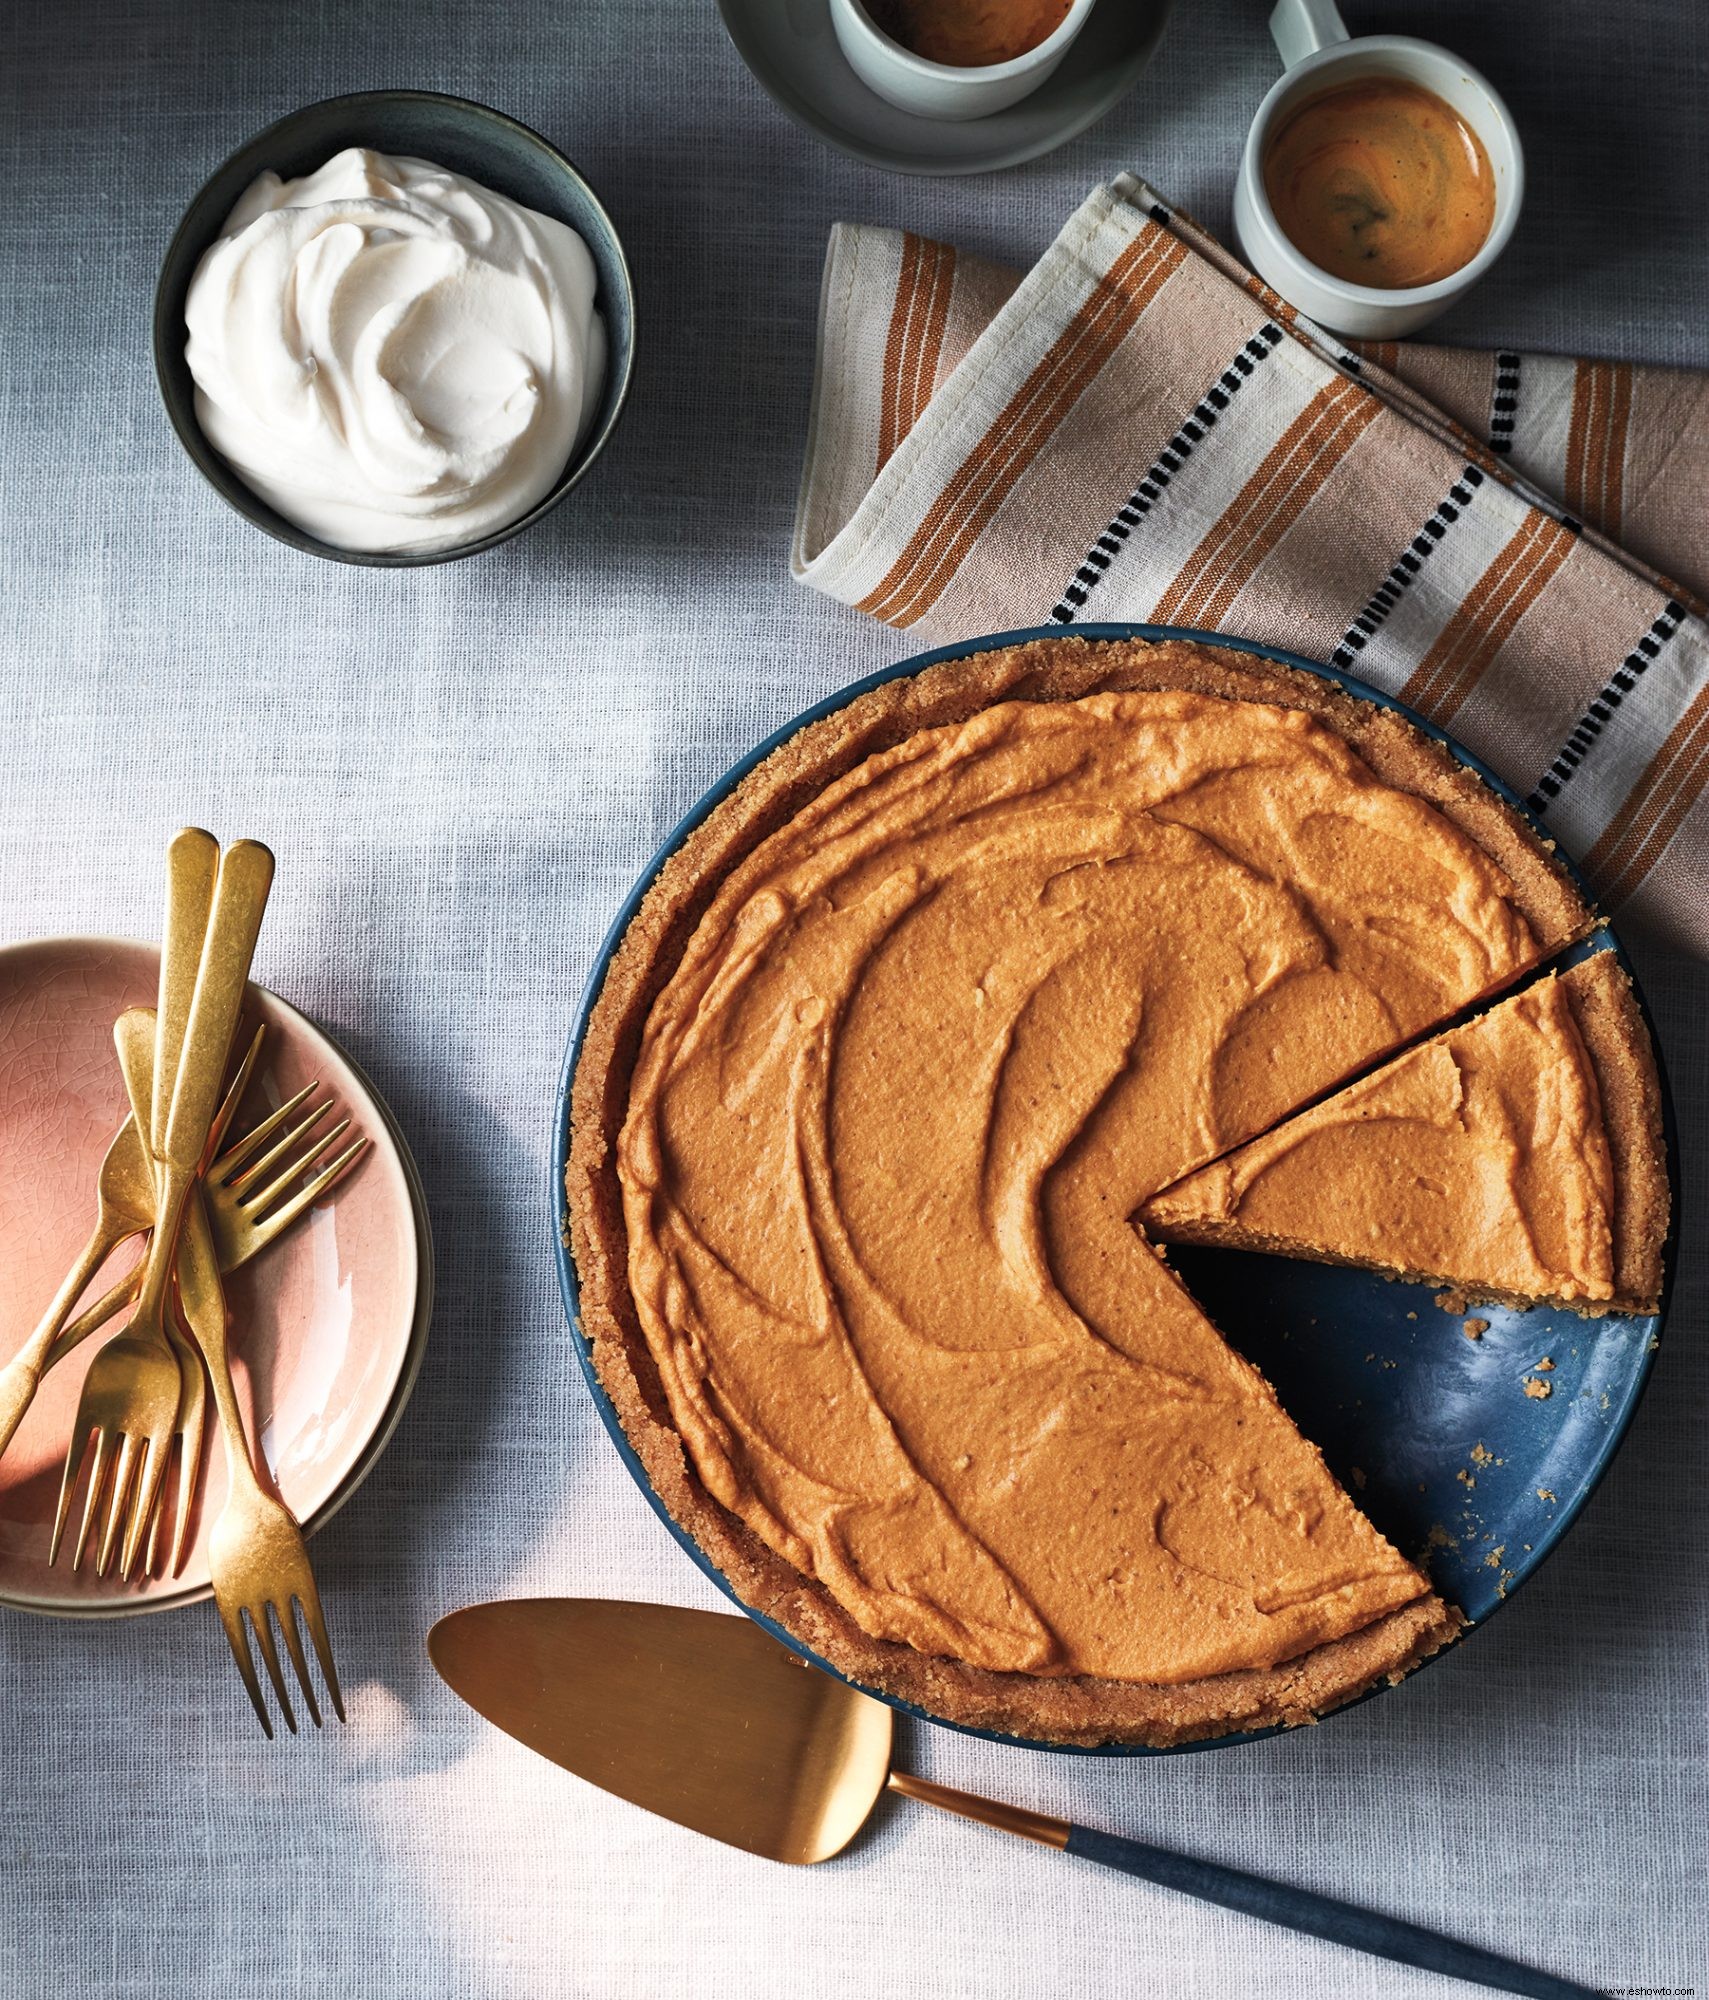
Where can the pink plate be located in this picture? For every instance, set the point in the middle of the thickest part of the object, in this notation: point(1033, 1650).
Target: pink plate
point(327, 1323)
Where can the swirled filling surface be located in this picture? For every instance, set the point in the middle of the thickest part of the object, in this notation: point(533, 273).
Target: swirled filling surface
point(930, 1049)
point(1480, 1157)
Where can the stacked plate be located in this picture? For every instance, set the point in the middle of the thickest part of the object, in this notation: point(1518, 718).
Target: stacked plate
point(329, 1323)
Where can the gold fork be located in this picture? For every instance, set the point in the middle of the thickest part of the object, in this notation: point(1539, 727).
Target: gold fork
point(257, 1558)
point(125, 1187)
point(251, 1200)
point(249, 1223)
point(128, 1387)
point(131, 1394)
point(125, 1207)
point(244, 1217)
point(137, 1036)
point(150, 1053)
point(124, 1195)
point(138, 1044)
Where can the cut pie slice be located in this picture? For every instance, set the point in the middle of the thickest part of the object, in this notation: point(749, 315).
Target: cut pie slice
point(1518, 1159)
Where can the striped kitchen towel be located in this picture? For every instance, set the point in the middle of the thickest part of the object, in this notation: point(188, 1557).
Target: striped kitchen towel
point(1137, 429)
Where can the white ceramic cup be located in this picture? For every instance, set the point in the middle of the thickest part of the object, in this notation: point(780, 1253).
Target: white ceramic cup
point(1319, 56)
point(944, 90)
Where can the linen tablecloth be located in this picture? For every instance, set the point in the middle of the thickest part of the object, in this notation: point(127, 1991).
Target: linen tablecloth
point(462, 770)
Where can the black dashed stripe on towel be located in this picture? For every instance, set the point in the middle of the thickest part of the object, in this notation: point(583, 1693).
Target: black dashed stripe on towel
point(1413, 557)
point(1600, 713)
point(1206, 413)
point(1504, 403)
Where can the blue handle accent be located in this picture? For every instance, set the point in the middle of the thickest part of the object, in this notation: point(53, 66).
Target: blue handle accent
point(1320, 1916)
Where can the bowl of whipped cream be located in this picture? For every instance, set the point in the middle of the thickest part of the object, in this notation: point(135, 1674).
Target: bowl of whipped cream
point(396, 328)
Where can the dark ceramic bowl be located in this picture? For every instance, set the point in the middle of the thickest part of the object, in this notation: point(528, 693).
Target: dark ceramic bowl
point(470, 139)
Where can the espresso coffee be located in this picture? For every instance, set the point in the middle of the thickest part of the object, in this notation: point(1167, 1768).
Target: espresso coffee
point(970, 34)
point(1382, 183)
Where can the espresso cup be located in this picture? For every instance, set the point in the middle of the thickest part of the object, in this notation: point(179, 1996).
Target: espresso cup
point(942, 90)
point(1319, 55)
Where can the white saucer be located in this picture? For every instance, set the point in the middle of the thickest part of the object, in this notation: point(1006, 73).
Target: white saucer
point(791, 48)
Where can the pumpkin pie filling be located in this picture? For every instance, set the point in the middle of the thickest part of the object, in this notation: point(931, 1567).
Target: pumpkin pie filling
point(932, 1046)
point(1482, 1159)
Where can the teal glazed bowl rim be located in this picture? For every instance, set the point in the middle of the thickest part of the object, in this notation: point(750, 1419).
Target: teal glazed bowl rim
point(1624, 1391)
point(455, 132)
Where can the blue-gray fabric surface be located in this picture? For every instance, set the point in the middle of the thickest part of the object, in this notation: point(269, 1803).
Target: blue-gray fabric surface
point(462, 770)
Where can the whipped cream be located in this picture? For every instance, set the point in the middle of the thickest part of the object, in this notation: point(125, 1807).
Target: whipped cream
point(391, 356)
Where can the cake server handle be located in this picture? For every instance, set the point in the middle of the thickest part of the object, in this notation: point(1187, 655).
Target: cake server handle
point(1256, 1896)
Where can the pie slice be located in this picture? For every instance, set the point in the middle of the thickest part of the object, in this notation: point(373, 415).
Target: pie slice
point(897, 1043)
point(1518, 1159)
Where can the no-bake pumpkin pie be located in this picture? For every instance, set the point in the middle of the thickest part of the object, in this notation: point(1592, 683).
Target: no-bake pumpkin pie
point(1518, 1159)
point(899, 1043)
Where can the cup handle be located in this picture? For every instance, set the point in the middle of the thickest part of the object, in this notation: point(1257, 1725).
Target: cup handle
point(1299, 28)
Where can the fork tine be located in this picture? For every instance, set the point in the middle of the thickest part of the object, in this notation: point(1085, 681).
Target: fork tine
point(234, 1093)
point(239, 1151)
point(308, 1596)
point(281, 1218)
point(105, 1443)
point(238, 1639)
point(300, 1165)
point(151, 1481)
point(156, 1520)
point(189, 1471)
point(270, 1656)
point(241, 1183)
point(286, 1614)
point(130, 1496)
point(75, 1452)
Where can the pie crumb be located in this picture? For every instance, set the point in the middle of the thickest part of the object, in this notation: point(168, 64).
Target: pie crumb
point(1536, 1390)
point(1544, 1365)
point(1543, 1493)
point(1475, 1329)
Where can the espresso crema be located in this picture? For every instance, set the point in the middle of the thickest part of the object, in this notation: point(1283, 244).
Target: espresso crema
point(1381, 183)
point(969, 34)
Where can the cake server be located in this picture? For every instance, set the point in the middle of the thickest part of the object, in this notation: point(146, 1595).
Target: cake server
point(708, 1721)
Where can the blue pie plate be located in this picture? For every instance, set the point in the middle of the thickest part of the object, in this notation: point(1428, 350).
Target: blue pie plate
point(1431, 1432)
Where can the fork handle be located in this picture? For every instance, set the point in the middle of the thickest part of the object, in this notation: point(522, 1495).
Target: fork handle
point(19, 1377)
point(240, 897)
point(93, 1318)
point(205, 1315)
point(192, 869)
point(118, 1296)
